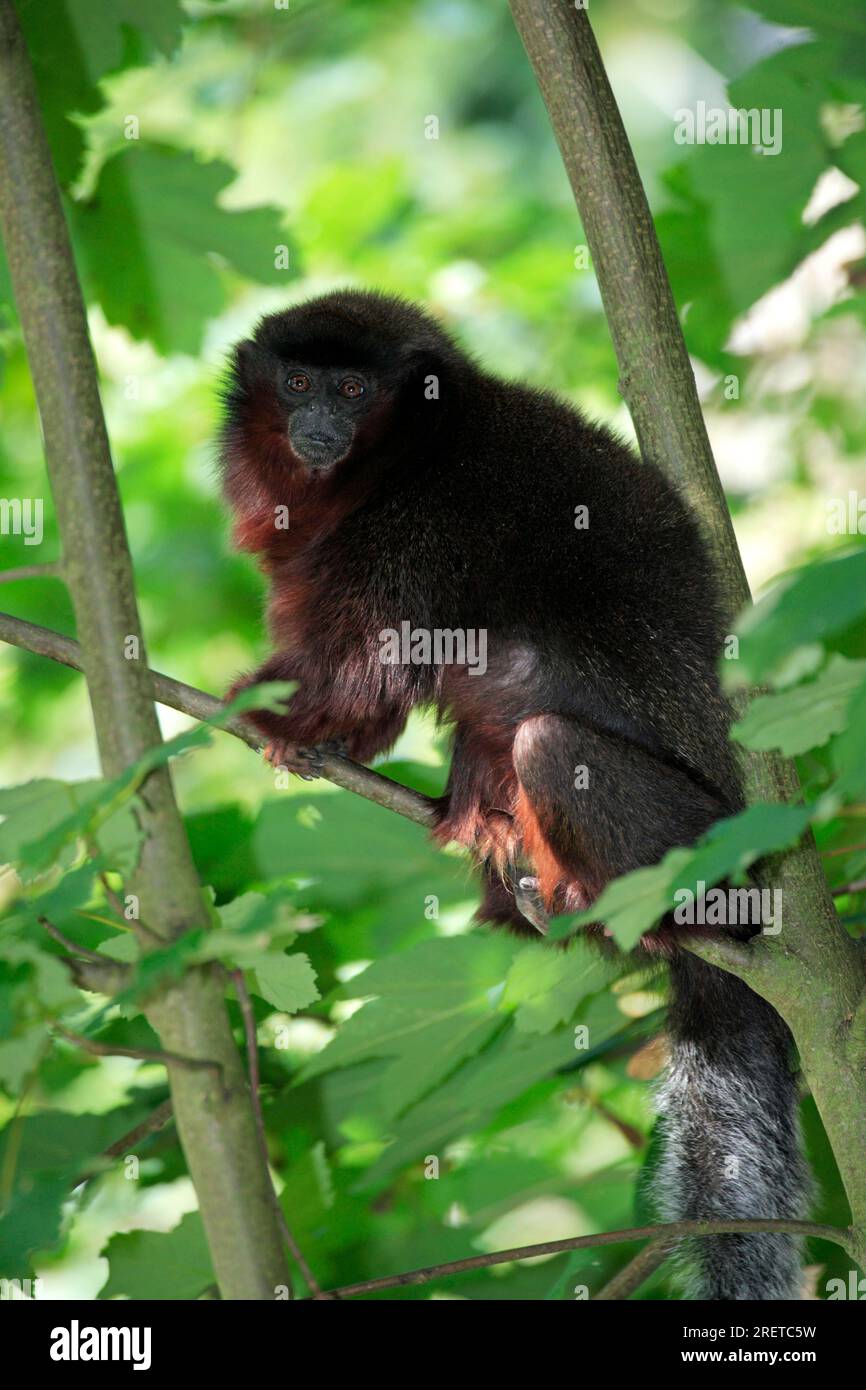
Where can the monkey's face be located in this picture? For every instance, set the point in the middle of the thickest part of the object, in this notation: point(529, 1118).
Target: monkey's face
point(326, 409)
point(338, 386)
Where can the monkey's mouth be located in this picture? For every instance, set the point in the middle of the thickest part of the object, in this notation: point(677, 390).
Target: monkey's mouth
point(319, 452)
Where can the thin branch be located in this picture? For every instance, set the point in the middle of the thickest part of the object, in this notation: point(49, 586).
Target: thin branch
point(141, 927)
point(155, 1121)
point(200, 705)
point(69, 945)
point(141, 1054)
point(249, 1018)
point(636, 1272)
point(103, 976)
point(857, 886)
point(669, 1233)
point(52, 571)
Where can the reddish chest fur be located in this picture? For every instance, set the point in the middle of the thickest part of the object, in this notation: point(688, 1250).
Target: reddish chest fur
point(282, 514)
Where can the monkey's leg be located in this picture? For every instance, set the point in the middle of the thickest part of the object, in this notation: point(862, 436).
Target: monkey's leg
point(591, 807)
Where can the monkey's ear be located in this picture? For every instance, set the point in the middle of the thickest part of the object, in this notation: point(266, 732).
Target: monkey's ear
point(418, 361)
point(244, 357)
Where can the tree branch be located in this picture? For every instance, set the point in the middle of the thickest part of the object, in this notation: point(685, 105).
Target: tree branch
point(69, 945)
point(659, 1234)
point(215, 1122)
point(49, 570)
point(249, 1018)
point(139, 1054)
point(816, 978)
point(352, 777)
point(155, 1121)
point(637, 1271)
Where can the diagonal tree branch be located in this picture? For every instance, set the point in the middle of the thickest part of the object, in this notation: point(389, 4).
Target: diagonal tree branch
point(659, 1236)
point(187, 699)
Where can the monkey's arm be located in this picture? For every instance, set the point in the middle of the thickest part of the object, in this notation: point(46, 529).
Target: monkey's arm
point(326, 710)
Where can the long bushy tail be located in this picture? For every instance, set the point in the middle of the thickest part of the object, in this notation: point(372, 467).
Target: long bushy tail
point(730, 1135)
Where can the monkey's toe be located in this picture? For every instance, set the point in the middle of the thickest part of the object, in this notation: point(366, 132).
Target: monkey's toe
point(306, 763)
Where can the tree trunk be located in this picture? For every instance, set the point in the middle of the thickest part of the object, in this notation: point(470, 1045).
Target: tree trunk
point(215, 1120)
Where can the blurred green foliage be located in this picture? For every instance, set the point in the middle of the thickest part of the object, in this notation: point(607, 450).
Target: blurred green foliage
point(220, 158)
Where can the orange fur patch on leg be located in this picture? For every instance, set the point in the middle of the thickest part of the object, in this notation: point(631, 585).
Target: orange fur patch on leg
point(550, 873)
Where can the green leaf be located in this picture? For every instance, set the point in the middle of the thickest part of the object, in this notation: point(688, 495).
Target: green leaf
point(159, 1265)
point(808, 606)
point(253, 922)
point(18, 1056)
point(849, 753)
point(70, 893)
point(436, 1004)
point(287, 982)
point(307, 1194)
point(148, 237)
point(57, 1141)
point(482, 1085)
point(361, 859)
point(45, 820)
point(119, 840)
point(546, 986)
point(33, 812)
point(806, 716)
point(73, 44)
point(846, 17)
point(634, 903)
point(32, 1222)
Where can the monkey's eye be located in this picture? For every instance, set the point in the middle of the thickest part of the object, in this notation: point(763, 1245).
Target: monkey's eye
point(299, 381)
point(352, 388)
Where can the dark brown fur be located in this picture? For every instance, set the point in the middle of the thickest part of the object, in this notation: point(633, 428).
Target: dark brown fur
point(458, 512)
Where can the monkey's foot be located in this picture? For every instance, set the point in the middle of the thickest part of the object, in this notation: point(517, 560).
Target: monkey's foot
point(527, 898)
point(306, 763)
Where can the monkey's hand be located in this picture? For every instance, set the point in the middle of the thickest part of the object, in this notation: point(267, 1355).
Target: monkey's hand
point(306, 763)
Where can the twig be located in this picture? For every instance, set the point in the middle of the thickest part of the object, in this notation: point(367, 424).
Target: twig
point(116, 903)
point(200, 705)
point(141, 1054)
point(156, 1120)
point(249, 1018)
point(32, 572)
point(636, 1272)
point(630, 1133)
point(103, 976)
point(673, 1231)
point(856, 887)
point(73, 946)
